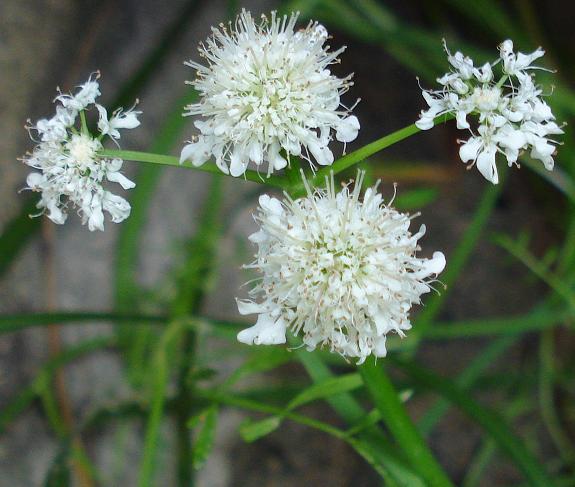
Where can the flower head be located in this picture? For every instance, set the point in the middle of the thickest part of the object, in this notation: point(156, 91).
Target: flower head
point(72, 171)
point(341, 271)
point(509, 113)
point(265, 94)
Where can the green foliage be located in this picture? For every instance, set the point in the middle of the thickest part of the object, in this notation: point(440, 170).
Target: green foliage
point(205, 422)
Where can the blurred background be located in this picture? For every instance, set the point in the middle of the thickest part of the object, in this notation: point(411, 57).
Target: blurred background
point(140, 46)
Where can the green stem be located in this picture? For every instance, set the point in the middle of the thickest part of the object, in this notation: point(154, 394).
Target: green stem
point(538, 268)
point(357, 444)
point(378, 145)
point(399, 423)
point(185, 474)
point(84, 123)
point(465, 380)
point(159, 387)
point(546, 390)
point(11, 323)
point(165, 160)
point(281, 182)
point(510, 325)
point(458, 259)
point(251, 405)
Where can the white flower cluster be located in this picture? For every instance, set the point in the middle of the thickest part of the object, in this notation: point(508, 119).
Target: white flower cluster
point(72, 171)
point(510, 114)
point(265, 94)
point(341, 271)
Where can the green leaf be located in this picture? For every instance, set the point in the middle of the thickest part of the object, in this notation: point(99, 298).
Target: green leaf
point(326, 388)
point(536, 320)
point(159, 381)
point(25, 397)
point(489, 420)
point(517, 250)
point(466, 378)
point(138, 343)
point(253, 430)
point(395, 416)
point(15, 322)
point(205, 422)
point(415, 198)
point(490, 15)
point(17, 233)
point(260, 360)
point(372, 447)
point(157, 56)
point(59, 474)
point(196, 272)
point(319, 390)
point(374, 441)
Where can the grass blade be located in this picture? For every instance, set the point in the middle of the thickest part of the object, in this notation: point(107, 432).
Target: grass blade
point(20, 321)
point(490, 421)
point(402, 428)
point(25, 397)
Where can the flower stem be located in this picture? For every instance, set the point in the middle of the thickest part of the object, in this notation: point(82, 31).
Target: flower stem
point(288, 180)
point(399, 423)
point(85, 130)
point(364, 152)
point(166, 160)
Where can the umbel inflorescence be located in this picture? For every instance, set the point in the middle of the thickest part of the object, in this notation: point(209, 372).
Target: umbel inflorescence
point(72, 172)
point(508, 112)
point(266, 94)
point(341, 271)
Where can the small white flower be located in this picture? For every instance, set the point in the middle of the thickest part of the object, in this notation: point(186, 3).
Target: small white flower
point(265, 94)
point(120, 120)
point(514, 64)
point(72, 172)
point(509, 115)
point(339, 271)
point(84, 97)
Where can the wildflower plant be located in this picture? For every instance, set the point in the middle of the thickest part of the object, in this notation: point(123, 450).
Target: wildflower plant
point(266, 94)
point(339, 271)
point(72, 170)
point(508, 111)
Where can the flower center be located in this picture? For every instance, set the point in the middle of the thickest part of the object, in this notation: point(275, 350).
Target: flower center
point(486, 99)
point(82, 149)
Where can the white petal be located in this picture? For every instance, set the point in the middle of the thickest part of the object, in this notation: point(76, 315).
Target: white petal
point(270, 205)
point(436, 264)
point(274, 334)
point(379, 349)
point(461, 118)
point(96, 220)
point(347, 129)
point(196, 152)
point(425, 122)
point(486, 164)
point(126, 120)
point(322, 155)
point(469, 150)
point(118, 208)
point(275, 160)
point(249, 307)
point(238, 163)
point(34, 180)
point(266, 331)
point(118, 177)
point(103, 122)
